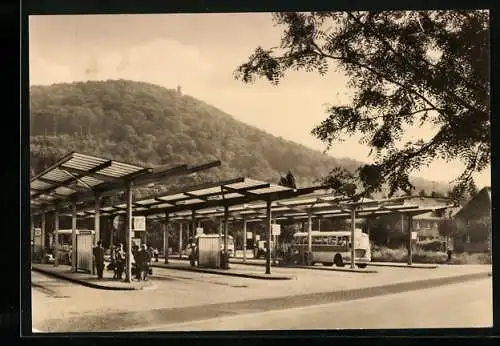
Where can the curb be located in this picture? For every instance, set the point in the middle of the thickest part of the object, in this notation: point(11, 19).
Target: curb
point(348, 270)
point(84, 283)
point(242, 275)
point(413, 266)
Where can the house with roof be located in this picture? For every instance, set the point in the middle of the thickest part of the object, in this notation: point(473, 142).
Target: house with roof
point(473, 221)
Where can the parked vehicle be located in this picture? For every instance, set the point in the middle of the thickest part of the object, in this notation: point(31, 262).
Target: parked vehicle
point(332, 248)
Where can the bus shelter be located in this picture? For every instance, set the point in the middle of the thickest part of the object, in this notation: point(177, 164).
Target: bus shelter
point(319, 204)
point(78, 178)
point(191, 204)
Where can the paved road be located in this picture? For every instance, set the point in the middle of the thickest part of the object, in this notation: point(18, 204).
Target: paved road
point(450, 306)
point(62, 306)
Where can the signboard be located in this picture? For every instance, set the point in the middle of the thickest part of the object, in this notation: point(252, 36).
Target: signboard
point(275, 229)
point(116, 221)
point(257, 237)
point(199, 230)
point(249, 235)
point(136, 241)
point(413, 235)
point(139, 223)
point(38, 232)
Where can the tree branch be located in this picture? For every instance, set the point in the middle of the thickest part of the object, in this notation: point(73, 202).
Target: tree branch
point(389, 46)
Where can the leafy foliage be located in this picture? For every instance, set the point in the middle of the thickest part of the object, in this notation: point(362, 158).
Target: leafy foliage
point(151, 126)
point(288, 180)
point(406, 68)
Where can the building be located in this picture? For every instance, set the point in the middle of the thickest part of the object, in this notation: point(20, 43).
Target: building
point(473, 222)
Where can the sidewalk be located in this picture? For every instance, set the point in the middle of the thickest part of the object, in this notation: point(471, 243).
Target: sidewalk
point(239, 260)
point(186, 266)
point(260, 262)
point(89, 280)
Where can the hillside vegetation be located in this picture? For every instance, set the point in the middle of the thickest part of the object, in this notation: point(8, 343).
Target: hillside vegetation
point(151, 125)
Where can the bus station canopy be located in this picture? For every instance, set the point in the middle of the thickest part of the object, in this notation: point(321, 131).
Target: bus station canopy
point(205, 197)
point(80, 177)
point(316, 205)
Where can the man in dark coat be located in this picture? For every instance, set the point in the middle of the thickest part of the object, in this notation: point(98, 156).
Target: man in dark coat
point(98, 253)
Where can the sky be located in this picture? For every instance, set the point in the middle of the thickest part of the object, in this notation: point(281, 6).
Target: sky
point(200, 52)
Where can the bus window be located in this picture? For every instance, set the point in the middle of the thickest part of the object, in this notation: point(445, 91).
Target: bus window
point(317, 240)
point(333, 240)
point(344, 240)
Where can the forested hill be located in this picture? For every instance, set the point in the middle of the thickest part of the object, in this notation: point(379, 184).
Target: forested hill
point(151, 125)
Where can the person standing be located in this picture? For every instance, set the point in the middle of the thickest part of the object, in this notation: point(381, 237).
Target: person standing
point(119, 261)
point(98, 253)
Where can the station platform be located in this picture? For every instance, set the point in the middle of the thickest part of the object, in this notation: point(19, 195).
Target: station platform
point(106, 283)
point(251, 274)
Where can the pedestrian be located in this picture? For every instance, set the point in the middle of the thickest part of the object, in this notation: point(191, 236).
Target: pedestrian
point(98, 253)
point(142, 262)
point(136, 265)
point(119, 261)
point(156, 254)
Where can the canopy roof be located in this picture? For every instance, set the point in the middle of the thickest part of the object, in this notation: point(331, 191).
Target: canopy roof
point(75, 174)
point(81, 177)
point(206, 198)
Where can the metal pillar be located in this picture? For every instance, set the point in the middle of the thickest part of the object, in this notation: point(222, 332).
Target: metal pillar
point(73, 237)
point(97, 219)
point(180, 240)
point(56, 236)
point(268, 243)
point(193, 224)
point(226, 235)
point(43, 234)
point(319, 224)
point(128, 232)
point(309, 239)
point(111, 232)
point(165, 238)
point(353, 231)
point(244, 240)
point(410, 250)
point(219, 239)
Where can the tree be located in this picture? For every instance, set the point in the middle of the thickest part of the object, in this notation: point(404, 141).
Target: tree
point(448, 228)
point(288, 180)
point(409, 67)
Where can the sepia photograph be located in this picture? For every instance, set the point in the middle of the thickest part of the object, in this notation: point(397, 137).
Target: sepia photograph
point(265, 171)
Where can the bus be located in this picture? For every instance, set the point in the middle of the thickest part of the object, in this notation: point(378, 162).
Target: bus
point(230, 243)
point(331, 248)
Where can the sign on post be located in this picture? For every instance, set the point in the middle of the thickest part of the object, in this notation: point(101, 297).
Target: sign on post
point(275, 229)
point(249, 235)
point(139, 223)
point(116, 222)
point(38, 232)
point(199, 230)
point(413, 235)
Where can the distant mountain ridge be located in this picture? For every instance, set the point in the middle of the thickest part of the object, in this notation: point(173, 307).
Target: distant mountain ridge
point(151, 125)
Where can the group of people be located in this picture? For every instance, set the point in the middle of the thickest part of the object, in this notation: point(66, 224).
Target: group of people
point(142, 255)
